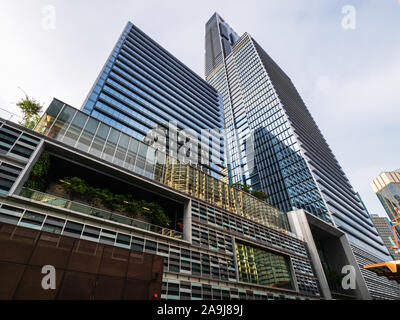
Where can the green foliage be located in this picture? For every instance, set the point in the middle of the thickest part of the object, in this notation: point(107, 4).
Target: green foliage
point(31, 122)
point(75, 186)
point(158, 215)
point(116, 202)
point(259, 194)
point(243, 187)
point(31, 110)
point(246, 188)
point(38, 176)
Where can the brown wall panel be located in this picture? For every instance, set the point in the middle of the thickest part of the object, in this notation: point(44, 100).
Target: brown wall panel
point(30, 286)
point(114, 262)
point(140, 265)
point(109, 288)
point(77, 286)
point(137, 289)
point(10, 274)
point(85, 256)
point(52, 250)
point(84, 269)
point(16, 244)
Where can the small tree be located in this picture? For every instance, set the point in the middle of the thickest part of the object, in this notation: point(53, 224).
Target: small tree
point(246, 188)
point(243, 187)
point(31, 110)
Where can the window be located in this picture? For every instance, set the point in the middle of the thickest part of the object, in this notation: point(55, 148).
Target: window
point(73, 229)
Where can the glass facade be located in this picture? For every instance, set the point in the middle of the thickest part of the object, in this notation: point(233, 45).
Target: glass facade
point(75, 128)
point(200, 262)
point(263, 151)
point(220, 38)
point(275, 146)
point(142, 87)
point(262, 267)
point(16, 149)
point(385, 231)
point(16, 144)
point(387, 189)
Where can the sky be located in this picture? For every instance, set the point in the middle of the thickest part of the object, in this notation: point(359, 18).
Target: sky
point(342, 56)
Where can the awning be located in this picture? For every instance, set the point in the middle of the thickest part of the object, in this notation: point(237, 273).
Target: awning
point(390, 270)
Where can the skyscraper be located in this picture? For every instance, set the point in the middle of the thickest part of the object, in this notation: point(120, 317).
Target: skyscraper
point(104, 243)
point(274, 145)
point(384, 228)
point(142, 87)
point(387, 189)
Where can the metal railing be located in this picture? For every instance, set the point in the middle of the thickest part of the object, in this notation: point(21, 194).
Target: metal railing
point(92, 211)
point(9, 116)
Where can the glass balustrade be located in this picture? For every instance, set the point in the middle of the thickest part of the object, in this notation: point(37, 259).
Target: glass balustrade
point(99, 213)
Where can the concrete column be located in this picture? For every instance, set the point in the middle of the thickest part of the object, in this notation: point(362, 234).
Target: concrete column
point(336, 248)
point(24, 175)
point(361, 288)
point(187, 221)
point(299, 225)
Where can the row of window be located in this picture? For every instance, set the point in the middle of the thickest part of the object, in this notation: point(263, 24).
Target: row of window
point(16, 143)
point(211, 239)
point(233, 224)
point(8, 174)
point(153, 87)
point(157, 68)
point(182, 290)
point(176, 259)
point(208, 93)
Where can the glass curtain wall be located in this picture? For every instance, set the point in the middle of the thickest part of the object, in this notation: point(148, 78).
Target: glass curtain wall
point(73, 127)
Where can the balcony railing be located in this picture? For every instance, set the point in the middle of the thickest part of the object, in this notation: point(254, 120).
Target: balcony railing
point(9, 116)
point(85, 209)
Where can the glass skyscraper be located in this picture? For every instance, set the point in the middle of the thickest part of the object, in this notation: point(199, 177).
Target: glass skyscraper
point(142, 87)
point(385, 230)
point(274, 145)
point(387, 189)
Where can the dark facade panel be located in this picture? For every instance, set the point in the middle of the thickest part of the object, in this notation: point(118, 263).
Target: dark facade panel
point(227, 47)
point(84, 269)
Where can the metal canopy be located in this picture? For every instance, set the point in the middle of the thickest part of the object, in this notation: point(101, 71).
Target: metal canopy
point(390, 270)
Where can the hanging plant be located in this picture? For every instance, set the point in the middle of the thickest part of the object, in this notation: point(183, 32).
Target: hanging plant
point(126, 204)
point(38, 177)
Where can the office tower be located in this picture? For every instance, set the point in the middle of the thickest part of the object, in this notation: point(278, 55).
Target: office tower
point(109, 225)
point(385, 230)
point(363, 204)
point(274, 145)
point(142, 87)
point(387, 189)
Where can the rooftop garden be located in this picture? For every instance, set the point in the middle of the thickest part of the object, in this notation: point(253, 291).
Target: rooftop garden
point(59, 177)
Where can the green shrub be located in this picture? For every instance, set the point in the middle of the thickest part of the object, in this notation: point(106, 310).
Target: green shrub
point(116, 202)
point(38, 177)
point(77, 186)
point(246, 188)
point(259, 194)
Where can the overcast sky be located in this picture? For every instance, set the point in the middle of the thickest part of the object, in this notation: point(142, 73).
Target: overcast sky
point(348, 78)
